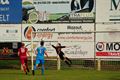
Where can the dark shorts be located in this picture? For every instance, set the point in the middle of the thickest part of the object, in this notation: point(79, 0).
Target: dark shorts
point(61, 55)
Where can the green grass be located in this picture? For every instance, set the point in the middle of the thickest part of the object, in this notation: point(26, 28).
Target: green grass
point(56, 16)
point(73, 74)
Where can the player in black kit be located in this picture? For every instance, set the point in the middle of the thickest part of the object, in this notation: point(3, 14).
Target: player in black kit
point(58, 48)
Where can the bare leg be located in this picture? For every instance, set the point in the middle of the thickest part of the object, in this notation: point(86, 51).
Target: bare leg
point(42, 69)
point(68, 60)
point(24, 68)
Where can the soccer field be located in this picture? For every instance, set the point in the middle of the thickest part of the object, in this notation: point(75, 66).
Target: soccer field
point(73, 74)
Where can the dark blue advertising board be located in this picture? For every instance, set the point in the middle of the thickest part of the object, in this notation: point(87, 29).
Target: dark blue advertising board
point(10, 11)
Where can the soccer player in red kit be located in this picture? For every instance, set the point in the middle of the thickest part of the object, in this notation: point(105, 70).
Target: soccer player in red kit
point(22, 53)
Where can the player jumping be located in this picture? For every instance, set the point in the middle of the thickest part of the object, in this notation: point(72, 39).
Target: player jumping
point(58, 48)
point(40, 51)
point(22, 53)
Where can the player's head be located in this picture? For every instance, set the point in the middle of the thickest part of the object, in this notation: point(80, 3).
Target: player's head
point(42, 43)
point(22, 44)
point(58, 44)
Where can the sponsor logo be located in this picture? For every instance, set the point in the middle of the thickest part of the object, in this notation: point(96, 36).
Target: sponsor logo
point(74, 27)
point(115, 5)
point(100, 46)
point(82, 10)
point(111, 46)
point(46, 29)
point(10, 11)
point(108, 49)
point(29, 29)
point(27, 32)
point(82, 5)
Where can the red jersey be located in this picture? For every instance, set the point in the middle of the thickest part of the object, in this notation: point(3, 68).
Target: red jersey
point(23, 52)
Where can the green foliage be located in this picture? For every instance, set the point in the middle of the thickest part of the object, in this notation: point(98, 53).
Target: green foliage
point(27, 2)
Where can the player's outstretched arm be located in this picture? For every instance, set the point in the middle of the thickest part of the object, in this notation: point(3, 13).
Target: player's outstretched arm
point(65, 46)
point(53, 46)
point(62, 46)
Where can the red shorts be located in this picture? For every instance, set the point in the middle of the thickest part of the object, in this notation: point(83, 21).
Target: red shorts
point(23, 60)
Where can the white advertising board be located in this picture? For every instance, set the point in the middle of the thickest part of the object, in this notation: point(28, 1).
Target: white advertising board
point(58, 32)
point(107, 10)
point(56, 11)
point(108, 50)
point(108, 34)
point(107, 27)
point(72, 50)
point(10, 32)
point(79, 49)
point(108, 37)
